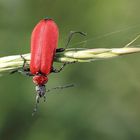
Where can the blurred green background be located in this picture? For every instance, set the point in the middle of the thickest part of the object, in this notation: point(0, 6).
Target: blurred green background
point(105, 104)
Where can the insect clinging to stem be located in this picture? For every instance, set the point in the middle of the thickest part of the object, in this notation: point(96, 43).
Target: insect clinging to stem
point(44, 42)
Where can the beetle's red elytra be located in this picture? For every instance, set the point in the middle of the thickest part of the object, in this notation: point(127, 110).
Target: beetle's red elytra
point(44, 41)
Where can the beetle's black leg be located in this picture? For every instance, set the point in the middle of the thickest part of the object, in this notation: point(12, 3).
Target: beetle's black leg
point(54, 70)
point(24, 70)
point(69, 39)
point(71, 35)
point(60, 49)
point(66, 46)
point(17, 70)
point(58, 70)
point(24, 62)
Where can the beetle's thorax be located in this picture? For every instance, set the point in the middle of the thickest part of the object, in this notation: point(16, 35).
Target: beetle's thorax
point(40, 79)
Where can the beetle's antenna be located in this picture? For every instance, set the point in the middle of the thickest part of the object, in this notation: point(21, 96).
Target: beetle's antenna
point(38, 97)
point(61, 87)
point(36, 105)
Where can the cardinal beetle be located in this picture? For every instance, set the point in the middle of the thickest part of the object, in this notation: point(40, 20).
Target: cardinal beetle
point(44, 42)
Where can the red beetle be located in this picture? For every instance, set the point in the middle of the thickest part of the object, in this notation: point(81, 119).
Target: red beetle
point(44, 41)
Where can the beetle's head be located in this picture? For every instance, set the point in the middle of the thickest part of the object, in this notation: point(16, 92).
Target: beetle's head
point(40, 90)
